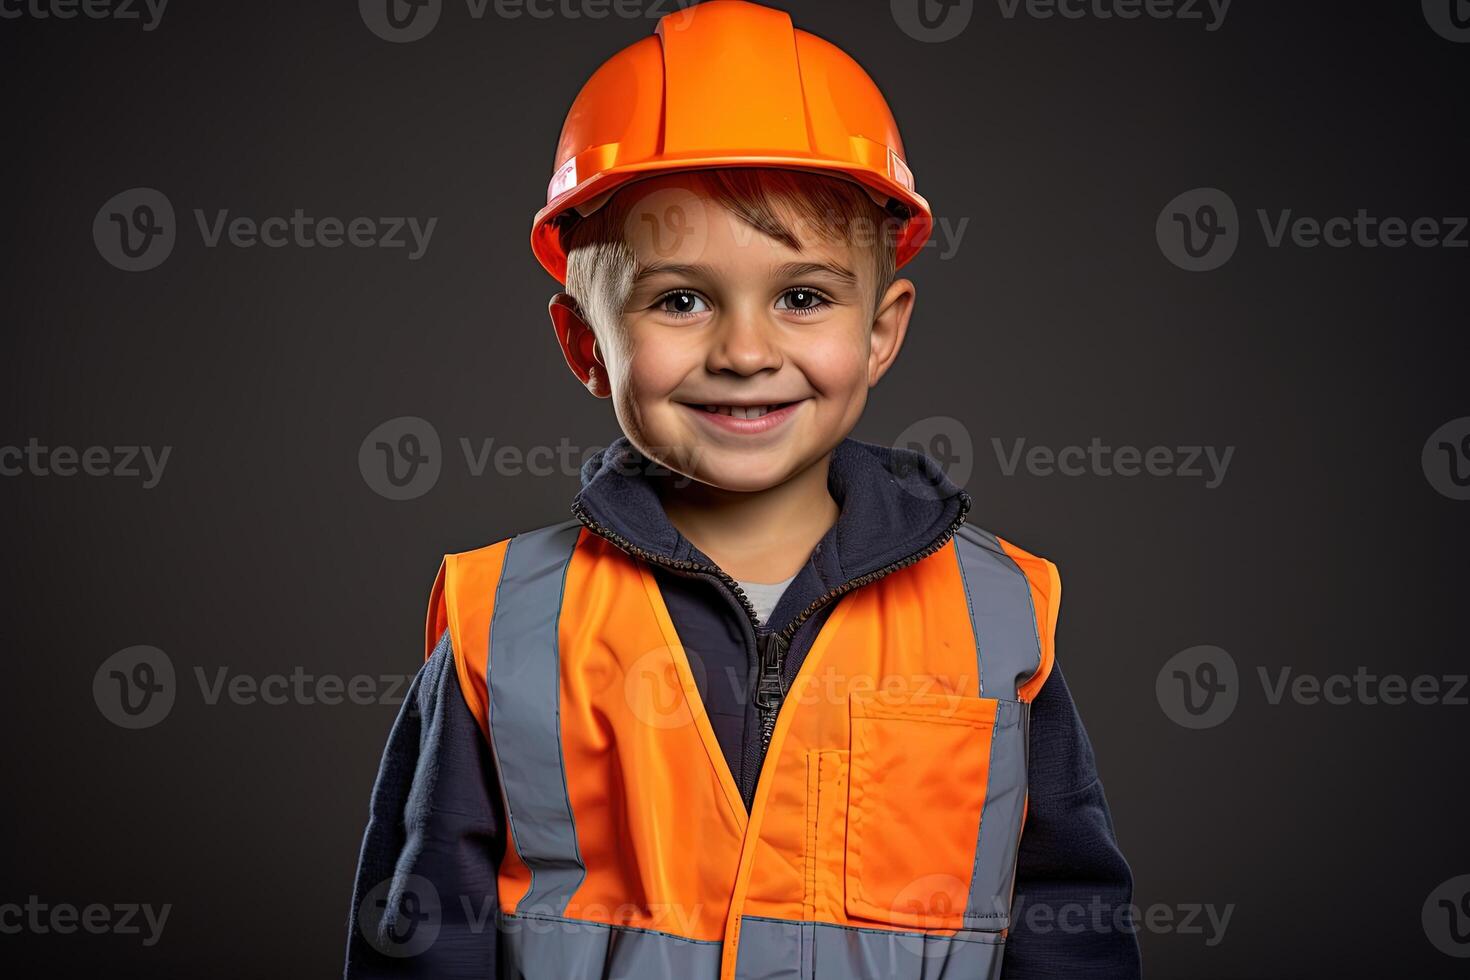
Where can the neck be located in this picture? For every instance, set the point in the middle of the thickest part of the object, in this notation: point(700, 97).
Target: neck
point(755, 536)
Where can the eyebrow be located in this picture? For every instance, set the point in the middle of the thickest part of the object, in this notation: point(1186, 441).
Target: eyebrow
point(790, 270)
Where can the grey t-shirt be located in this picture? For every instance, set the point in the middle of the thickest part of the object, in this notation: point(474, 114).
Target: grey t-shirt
point(764, 595)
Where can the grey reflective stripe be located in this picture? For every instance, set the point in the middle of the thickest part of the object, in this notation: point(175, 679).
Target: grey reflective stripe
point(541, 947)
point(779, 949)
point(1000, 822)
point(1001, 613)
point(545, 947)
point(525, 712)
point(1008, 653)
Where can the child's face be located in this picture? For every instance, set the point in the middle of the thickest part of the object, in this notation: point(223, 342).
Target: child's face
point(724, 315)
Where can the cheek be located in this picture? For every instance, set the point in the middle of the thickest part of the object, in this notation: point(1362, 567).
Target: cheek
point(836, 364)
point(653, 370)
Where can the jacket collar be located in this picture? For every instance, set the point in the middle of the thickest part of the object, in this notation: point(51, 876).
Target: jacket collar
point(892, 504)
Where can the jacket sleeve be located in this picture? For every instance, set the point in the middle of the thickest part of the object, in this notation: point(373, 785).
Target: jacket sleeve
point(1072, 909)
point(425, 902)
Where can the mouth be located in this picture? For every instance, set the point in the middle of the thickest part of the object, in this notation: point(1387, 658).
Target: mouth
point(745, 419)
point(744, 411)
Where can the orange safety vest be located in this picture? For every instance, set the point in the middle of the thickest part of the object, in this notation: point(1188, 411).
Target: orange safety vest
point(883, 836)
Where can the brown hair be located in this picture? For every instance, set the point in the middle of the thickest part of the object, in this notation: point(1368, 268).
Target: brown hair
point(601, 266)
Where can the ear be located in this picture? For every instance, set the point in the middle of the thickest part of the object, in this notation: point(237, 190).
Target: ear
point(890, 326)
point(577, 341)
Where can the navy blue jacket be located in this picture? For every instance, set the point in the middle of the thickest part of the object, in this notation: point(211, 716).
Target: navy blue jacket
point(434, 813)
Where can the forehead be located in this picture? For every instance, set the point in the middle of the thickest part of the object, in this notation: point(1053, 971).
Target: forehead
point(673, 219)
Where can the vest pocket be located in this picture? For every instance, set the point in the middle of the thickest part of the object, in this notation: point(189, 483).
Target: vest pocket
point(918, 776)
point(826, 833)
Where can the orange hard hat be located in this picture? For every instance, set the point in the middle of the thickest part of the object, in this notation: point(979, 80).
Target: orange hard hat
point(727, 83)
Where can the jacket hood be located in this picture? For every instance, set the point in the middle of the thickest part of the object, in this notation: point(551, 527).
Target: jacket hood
point(892, 503)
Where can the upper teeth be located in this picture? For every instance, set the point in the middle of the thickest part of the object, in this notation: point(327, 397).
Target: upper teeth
point(738, 412)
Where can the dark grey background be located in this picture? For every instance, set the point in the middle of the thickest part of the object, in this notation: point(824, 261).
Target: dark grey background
point(264, 549)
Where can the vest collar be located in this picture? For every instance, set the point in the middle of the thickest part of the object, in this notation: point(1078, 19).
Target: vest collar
point(892, 503)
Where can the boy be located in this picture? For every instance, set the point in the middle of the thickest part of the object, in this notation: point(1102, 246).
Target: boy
point(767, 706)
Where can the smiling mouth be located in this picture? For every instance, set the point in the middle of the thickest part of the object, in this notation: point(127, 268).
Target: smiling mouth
point(743, 411)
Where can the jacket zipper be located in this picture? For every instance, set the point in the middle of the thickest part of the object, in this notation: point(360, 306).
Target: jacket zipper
point(773, 646)
point(780, 642)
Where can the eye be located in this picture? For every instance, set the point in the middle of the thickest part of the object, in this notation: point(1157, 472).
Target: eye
point(681, 302)
point(802, 299)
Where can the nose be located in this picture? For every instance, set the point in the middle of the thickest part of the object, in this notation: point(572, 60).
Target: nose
point(744, 342)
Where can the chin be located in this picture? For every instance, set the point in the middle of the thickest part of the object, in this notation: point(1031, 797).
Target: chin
point(742, 481)
point(741, 471)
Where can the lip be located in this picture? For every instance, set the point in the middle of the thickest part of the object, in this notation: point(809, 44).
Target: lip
point(746, 427)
